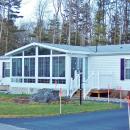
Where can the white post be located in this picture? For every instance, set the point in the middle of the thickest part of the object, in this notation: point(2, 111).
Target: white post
point(51, 67)
point(23, 67)
point(10, 70)
point(36, 65)
point(84, 80)
point(98, 81)
point(68, 74)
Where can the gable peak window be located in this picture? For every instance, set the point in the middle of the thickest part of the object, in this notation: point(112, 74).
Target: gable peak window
point(43, 51)
point(57, 52)
point(30, 52)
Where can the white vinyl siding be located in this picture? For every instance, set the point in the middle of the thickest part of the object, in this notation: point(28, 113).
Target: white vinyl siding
point(108, 65)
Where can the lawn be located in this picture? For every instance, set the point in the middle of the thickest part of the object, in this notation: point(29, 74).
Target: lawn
point(11, 109)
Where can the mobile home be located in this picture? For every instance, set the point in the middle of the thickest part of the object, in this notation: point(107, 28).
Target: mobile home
point(42, 65)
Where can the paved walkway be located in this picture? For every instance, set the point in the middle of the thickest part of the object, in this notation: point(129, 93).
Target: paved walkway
point(105, 120)
point(9, 127)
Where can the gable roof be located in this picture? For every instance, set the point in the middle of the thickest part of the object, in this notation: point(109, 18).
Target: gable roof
point(89, 50)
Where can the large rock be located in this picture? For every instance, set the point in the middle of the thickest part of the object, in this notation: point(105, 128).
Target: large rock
point(45, 96)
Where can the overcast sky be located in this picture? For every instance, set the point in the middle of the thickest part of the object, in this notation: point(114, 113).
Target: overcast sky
point(28, 10)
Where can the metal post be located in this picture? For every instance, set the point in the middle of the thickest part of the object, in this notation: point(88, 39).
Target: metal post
point(60, 106)
point(120, 97)
point(80, 89)
point(108, 94)
point(129, 112)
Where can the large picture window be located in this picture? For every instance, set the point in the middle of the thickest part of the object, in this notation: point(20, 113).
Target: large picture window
point(44, 67)
point(58, 65)
point(17, 67)
point(127, 68)
point(29, 67)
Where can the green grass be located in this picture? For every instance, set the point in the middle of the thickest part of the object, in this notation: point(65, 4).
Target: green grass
point(9, 96)
point(10, 109)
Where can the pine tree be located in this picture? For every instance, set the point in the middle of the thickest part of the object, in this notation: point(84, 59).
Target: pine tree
point(99, 24)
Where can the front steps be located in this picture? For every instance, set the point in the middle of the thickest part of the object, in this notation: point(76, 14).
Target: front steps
point(103, 93)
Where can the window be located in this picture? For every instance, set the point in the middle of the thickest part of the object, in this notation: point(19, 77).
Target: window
point(57, 52)
point(17, 80)
point(17, 67)
point(127, 68)
point(18, 54)
point(29, 67)
point(43, 51)
point(44, 67)
point(76, 64)
point(29, 80)
point(43, 80)
point(73, 66)
point(6, 69)
point(59, 81)
point(58, 66)
point(30, 52)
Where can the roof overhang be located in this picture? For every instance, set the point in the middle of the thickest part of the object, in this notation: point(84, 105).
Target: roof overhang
point(45, 46)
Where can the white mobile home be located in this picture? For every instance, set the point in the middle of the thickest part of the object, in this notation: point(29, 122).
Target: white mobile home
point(38, 65)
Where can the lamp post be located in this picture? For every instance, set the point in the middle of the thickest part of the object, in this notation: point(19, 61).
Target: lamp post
point(80, 88)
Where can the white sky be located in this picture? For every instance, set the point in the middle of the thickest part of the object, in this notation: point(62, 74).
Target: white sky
point(28, 10)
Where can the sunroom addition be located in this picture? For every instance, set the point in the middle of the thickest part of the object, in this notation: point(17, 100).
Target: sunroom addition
point(38, 65)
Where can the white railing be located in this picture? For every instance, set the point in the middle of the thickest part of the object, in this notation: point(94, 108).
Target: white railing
point(75, 84)
point(97, 81)
point(88, 85)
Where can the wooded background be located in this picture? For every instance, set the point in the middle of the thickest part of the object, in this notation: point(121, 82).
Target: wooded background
point(76, 22)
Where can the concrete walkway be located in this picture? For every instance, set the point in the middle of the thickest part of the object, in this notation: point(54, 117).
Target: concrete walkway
point(9, 127)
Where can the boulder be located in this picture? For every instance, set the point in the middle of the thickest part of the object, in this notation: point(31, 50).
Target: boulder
point(45, 96)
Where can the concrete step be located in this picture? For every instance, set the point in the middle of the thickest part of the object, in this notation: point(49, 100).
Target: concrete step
point(4, 87)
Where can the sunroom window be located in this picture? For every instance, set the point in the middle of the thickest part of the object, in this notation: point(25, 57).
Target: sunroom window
point(17, 67)
point(18, 54)
point(57, 52)
point(43, 51)
point(30, 52)
point(127, 69)
point(58, 66)
point(29, 67)
point(6, 69)
point(44, 66)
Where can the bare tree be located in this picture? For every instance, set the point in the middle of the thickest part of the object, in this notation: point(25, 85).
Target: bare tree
point(40, 16)
point(2, 16)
